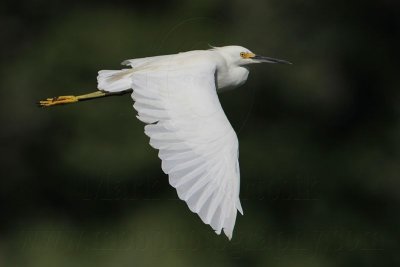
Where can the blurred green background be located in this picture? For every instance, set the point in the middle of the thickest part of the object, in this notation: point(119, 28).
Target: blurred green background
point(319, 140)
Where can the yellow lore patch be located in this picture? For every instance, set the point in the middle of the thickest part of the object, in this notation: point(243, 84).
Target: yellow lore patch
point(247, 55)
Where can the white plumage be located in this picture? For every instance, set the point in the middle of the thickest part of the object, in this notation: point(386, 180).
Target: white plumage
point(176, 96)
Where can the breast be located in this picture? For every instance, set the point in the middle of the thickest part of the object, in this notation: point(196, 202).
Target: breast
point(231, 78)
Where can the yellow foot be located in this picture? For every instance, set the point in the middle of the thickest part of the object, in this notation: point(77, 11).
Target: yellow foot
point(59, 100)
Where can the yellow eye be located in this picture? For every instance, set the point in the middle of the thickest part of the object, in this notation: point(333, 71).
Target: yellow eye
point(242, 54)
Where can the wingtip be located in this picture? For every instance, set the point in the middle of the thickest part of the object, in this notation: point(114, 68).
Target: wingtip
point(125, 63)
point(228, 234)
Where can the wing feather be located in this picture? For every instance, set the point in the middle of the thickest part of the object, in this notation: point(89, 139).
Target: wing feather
point(197, 145)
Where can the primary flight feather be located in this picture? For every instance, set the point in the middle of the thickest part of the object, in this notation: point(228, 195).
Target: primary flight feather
point(176, 97)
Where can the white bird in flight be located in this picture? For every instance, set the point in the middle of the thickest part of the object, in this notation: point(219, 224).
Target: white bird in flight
point(176, 97)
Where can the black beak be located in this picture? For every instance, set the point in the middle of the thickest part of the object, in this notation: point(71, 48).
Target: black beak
point(271, 60)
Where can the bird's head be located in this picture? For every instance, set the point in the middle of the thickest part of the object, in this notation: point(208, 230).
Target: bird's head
point(240, 56)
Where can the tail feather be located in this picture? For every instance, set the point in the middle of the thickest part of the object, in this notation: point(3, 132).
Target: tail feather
point(114, 80)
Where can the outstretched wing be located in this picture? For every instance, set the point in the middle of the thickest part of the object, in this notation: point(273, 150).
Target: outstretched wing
point(197, 145)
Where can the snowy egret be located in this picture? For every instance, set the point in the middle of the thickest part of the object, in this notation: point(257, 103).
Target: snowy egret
point(176, 96)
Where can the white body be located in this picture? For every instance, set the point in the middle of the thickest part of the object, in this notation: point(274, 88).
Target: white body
point(175, 95)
